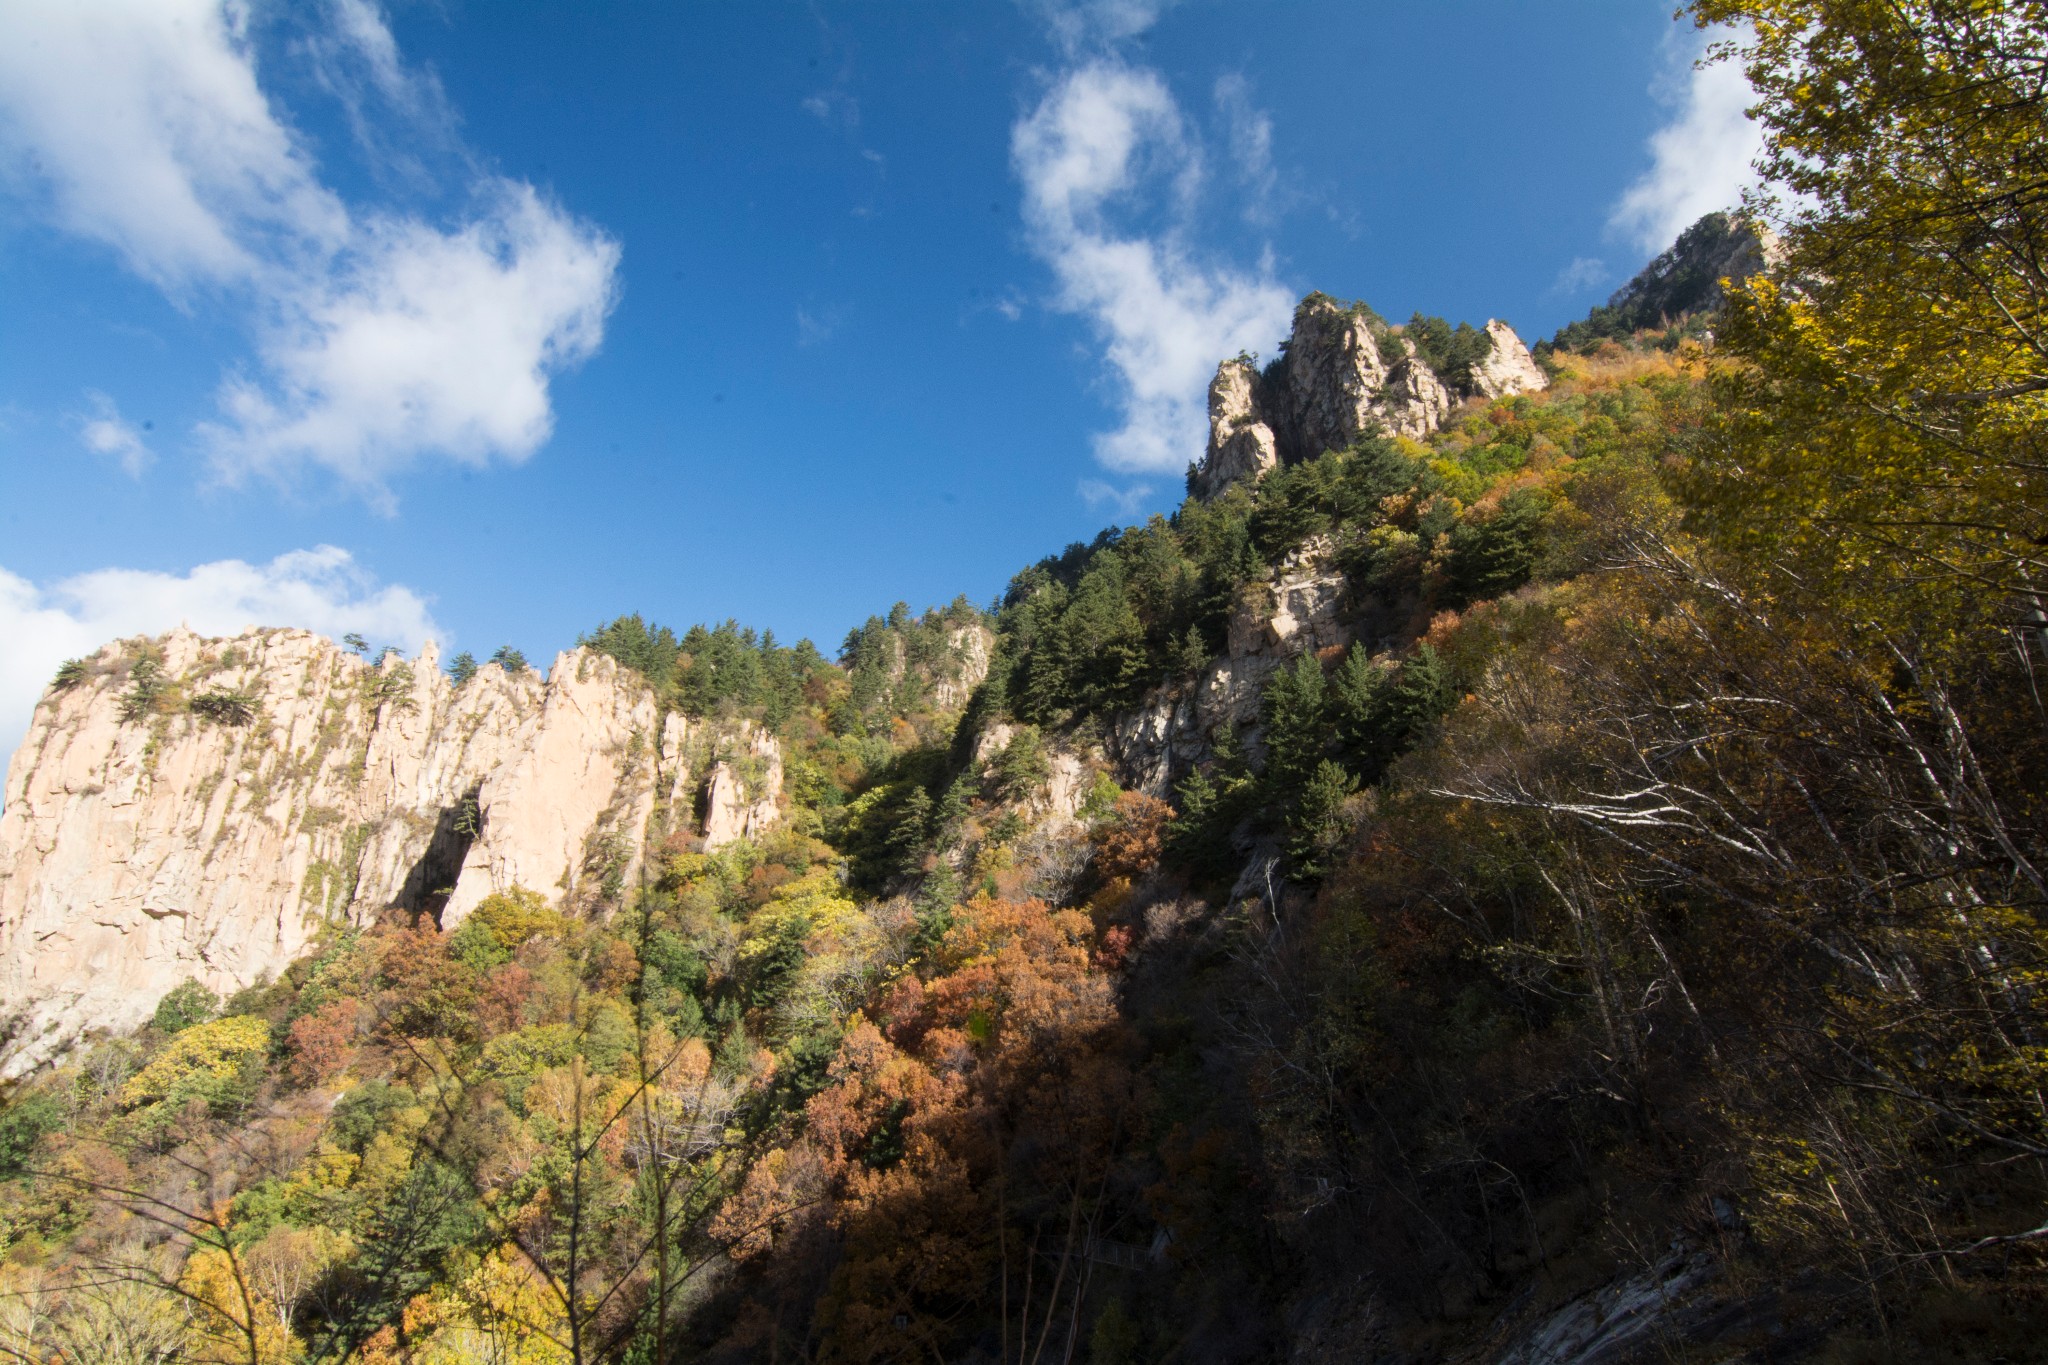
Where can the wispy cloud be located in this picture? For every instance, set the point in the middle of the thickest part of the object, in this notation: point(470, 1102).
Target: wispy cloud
point(1585, 272)
point(1080, 27)
point(107, 433)
point(399, 114)
point(1128, 500)
point(1108, 141)
point(1701, 159)
point(1249, 132)
point(321, 589)
point(816, 326)
point(834, 108)
point(382, 338)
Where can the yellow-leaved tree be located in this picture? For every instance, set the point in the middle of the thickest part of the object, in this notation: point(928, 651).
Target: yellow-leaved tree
point(1885, 413)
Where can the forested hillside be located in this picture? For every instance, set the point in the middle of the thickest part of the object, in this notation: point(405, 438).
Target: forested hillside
point(1588, 904)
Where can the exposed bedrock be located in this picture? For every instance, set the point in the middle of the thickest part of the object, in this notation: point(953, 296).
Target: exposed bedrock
point(145, 840)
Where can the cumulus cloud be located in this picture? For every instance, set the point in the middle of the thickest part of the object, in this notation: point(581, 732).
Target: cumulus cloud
point(381, 337)
point(422, 340)
point(106, 432)
point(1103, 136)
point(1701, 160)
point(321, 589)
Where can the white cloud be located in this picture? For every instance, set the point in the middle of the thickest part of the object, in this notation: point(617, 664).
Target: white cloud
point(321, 589)
point(397, 114)
point(106, 432)
point(1102, 134)
point(1700, 161)
point(423, 340)
point(146, 121)
point(382, 338)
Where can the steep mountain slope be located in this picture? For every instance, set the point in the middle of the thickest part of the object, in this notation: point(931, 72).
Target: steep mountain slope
point(1434, 897)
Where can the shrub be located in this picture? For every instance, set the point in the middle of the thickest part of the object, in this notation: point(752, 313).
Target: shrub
point(1318, 825)
point(516, 915)
point(1452, 352)
point(184, 1005)
point(365, 1111)
point(146, 688)
point(1495, 555)
point(70, 674)
point(223, 707)
point(22, 1126)
point(392, 687)
point(1101, 799)
point(1022, 767)
point(1129, 845)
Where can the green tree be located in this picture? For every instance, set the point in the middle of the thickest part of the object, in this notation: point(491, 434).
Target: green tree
point(1297, 729)
point(184, 1005)
point(1317, 826)
point(1495, 553)
point(23, 1124)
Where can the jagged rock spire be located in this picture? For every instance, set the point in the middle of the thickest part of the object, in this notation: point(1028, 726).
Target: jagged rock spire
point(1343, 372)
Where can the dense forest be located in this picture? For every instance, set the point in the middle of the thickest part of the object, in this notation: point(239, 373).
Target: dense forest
point(1646, 900)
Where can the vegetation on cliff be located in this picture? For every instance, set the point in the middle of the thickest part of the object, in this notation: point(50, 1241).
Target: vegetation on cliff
point(1652, 878)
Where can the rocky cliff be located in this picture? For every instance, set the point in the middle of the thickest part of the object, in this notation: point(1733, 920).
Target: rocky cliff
point(1157, 743)
point(202, 808)
point(1342, 372)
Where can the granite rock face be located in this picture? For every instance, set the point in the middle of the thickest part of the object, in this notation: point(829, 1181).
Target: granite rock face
point(1414, 402)
point(1241, 445)
point(742, 786)
point(1508, 369)
point(1336, 379)
point(144, 844)
point(1158, 742)
point(970, 648)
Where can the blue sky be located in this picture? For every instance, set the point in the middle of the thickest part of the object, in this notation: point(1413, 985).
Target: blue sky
point(489, 322)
